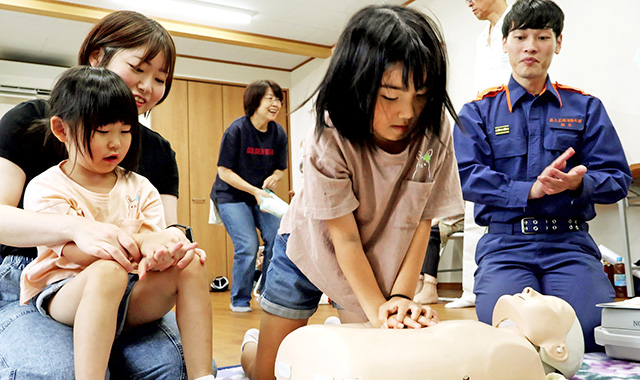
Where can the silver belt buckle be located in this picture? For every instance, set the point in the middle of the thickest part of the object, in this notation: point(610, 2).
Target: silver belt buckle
point(523, 228)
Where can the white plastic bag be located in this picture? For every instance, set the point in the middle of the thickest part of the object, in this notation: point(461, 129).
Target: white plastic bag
point(214, 213)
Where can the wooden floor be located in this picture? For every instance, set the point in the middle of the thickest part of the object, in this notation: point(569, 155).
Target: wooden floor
point(229, 327)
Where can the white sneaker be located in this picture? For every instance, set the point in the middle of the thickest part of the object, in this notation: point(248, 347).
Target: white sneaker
point(252, 336)
point(332, 320)
point(208, 377)
point(466, 300)
point(240, 309)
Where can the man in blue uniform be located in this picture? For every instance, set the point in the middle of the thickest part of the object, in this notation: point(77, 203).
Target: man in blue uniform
point(535, 157)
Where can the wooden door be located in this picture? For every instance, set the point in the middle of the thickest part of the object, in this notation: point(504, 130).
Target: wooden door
point(205, 134)
point(172, 122)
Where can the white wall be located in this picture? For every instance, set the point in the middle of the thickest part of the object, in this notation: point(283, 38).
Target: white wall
point(199, 69)
point(304, 82)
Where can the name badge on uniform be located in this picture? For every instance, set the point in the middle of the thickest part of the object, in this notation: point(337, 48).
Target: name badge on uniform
point(566, 122)
point(501, 130)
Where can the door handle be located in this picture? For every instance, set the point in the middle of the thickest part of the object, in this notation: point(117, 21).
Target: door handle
point(198, 200)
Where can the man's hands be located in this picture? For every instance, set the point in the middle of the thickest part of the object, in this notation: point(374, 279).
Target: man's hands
point(554, 180)
point(400, 313)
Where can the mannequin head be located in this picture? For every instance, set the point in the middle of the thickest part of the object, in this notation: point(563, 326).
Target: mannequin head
point(549, 323)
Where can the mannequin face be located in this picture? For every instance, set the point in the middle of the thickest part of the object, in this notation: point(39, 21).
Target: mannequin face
point(533, 303)
point(544, 320)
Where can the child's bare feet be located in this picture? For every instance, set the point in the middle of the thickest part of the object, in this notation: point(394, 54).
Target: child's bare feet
point(429, 293)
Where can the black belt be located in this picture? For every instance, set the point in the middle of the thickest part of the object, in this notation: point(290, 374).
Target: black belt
point(531, 225)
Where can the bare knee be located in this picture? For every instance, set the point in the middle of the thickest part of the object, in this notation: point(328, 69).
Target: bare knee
point(194, 271)
point(107, 276)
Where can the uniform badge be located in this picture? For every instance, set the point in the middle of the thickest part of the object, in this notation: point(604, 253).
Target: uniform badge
point(501, 130)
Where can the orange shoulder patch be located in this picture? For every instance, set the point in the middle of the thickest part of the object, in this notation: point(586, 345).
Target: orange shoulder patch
point(559, 86)
point(490, 92)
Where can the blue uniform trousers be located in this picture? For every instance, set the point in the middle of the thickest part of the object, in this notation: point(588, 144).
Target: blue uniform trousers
point(566, 265)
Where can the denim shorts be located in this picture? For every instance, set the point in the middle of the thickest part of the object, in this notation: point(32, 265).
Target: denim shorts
point(288, 293)
point(41, 301)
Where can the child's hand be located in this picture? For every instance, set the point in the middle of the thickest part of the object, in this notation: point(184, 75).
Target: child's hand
point(156, 260)
point(164, 249)
point(400, 313)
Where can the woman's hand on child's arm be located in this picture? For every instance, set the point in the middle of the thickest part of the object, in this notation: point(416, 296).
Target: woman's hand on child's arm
point(355, 266)
point(399, 313)
point(105, 241)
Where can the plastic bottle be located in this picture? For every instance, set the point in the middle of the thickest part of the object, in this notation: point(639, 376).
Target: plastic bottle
point(620, 279)
point(608, 269)
point(273, 205)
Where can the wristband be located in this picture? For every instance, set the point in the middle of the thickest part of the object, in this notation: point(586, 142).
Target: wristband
point(186, 229)
point(401, 296)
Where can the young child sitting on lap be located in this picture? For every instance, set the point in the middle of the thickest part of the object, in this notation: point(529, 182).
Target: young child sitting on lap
point(94, 114)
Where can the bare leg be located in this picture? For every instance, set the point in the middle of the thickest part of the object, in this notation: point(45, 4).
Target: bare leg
point(193, 312)
point(188, 290)
point(258, 361)
point(90, 303)
point(429, 293)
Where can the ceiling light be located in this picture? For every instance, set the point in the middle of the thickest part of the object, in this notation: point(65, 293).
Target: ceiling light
point(200, 11)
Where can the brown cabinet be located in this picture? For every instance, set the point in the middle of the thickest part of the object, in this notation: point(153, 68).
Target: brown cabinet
point(193, 118)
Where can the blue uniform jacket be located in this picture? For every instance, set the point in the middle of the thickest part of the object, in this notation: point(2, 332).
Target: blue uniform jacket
point(510, 136)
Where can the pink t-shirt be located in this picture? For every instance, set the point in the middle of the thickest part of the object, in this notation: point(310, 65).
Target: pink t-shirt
point(389, 194)
point(133, 204)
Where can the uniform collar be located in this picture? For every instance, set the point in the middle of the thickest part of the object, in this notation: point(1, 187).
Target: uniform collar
point(515, 92)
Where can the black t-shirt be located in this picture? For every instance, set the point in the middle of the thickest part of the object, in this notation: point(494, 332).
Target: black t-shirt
point(251, 154)
point(28, 150)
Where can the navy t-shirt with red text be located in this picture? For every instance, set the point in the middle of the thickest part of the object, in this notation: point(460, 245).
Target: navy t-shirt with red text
point(251, 154)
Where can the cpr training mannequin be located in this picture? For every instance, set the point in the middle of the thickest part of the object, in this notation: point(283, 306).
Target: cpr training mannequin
point(532, 337)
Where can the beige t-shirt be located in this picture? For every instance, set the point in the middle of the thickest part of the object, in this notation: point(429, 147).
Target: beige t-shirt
point(133, 204)
point(388, 193)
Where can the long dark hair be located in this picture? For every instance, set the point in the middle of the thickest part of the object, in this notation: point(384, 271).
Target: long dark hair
point(87, 98)
point(376, 38)
point(128, 30)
